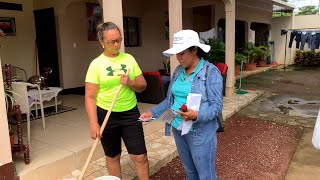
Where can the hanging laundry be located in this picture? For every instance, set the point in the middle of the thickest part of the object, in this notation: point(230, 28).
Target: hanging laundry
point(317, 43)
point(295, 35)
point(304, 39)
point(312, 38)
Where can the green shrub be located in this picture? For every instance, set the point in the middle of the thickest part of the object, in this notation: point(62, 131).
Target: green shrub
point(307, 58)
point(217, 51)
point(239, 58)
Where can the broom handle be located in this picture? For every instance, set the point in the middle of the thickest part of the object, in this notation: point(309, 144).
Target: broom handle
point(101, 131)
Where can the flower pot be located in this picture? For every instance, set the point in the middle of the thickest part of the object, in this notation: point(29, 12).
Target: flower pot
point(11, 140)
point(262, 64)
point(237, 70)
point(251, 66)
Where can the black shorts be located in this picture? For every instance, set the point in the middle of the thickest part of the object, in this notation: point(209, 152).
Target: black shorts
point(122, 125)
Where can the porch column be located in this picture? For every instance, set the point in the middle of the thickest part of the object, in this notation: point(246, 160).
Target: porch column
point(230, 43)
point(175, 25)
point(112, 12)
point(5, 155)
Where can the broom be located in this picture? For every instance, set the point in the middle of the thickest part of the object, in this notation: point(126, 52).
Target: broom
point(239, 91)
point(101, 131)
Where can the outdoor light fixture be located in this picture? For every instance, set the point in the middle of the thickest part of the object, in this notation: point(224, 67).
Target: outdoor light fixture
point(284, 31)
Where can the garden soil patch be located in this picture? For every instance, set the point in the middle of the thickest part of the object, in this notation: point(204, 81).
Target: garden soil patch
point(248, 149)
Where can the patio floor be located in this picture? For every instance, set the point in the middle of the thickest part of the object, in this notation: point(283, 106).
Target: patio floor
point(61, 150)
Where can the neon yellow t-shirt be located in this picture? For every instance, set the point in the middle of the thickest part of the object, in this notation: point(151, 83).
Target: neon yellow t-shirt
point(104, 72)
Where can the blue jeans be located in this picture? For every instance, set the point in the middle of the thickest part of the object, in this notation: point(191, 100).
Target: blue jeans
point(199, 161)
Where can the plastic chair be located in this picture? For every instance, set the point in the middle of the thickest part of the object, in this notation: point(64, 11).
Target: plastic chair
point(223, 68)
point(17, 73)
point(21, 98)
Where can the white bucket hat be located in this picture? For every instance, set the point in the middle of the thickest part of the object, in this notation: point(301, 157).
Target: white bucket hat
point(183, 40)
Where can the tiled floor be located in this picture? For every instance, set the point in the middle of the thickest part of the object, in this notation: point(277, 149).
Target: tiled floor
point(65, 144)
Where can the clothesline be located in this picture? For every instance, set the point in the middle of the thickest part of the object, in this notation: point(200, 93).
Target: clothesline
point(303, 29)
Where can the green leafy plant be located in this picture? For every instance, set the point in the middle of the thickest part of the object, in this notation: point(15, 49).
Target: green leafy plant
point(250, 51)
point(254, 53)
point(307, 58)
point(10, 128)
point(217, 51)
point(260, 53)
point(9, 99)
point(240, 58)
point(166, 66)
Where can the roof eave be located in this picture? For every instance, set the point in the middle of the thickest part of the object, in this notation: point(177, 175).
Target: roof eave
point(283, 4)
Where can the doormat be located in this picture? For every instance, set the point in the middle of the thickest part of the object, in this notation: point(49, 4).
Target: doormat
point(49, 111)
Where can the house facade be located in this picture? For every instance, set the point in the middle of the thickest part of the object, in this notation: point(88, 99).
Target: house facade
point(147, 26)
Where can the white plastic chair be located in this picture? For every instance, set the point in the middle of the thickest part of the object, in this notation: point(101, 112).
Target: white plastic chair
point(21, 98)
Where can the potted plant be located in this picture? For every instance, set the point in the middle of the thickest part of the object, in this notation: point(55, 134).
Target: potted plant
point(8, 97)
point(166, 66)
point(217, 51)
point(251, 51)
point(9, 100)
point(8, 93)
point(262, 54)
point(239, 58)
point(11, 134)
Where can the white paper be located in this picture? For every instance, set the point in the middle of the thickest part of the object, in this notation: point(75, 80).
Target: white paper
point(193, 102)
point(167, 116)
point(316, 133)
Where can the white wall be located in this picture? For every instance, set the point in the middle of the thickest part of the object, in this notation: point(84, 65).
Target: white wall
point(19, 50)
point(279, 41)
point(71, 28)
point(149, 56)
point(300, 22)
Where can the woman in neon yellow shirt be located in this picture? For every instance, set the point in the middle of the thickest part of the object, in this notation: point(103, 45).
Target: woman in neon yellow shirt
point(104, 76)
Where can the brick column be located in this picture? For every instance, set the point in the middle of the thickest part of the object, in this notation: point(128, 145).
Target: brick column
point(230, 43)
point(112, 12)
point(175, 25)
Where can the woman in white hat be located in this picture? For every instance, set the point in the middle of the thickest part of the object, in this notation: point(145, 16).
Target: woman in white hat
point(197, 148)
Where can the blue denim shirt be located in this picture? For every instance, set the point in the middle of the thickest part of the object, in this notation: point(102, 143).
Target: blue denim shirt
point(210, 87)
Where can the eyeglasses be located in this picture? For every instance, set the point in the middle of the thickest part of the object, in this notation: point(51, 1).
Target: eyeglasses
point(115, 41)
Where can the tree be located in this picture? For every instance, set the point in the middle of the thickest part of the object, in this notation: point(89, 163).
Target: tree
point(307, 10)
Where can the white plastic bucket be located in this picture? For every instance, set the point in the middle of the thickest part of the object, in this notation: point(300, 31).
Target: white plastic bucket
point(107, 178)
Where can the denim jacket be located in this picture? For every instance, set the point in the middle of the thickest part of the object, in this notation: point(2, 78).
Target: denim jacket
point(210, 87)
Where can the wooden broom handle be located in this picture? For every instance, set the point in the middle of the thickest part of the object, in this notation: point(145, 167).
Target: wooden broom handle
point(101, 131)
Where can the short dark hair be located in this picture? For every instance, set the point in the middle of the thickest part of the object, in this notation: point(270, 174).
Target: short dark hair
point(105, 27)
point(200, 52)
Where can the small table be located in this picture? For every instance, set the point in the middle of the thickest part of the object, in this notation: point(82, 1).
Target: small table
point(47, 95)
